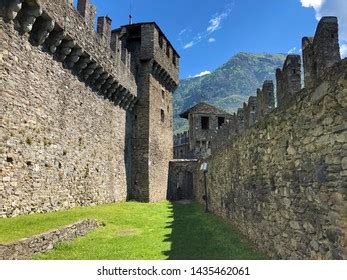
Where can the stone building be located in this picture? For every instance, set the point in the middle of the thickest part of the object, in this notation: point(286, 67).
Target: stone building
point(86, 116)
point(204, 122)
point(155, 64)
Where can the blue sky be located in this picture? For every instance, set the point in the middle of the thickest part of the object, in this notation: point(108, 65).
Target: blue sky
point(206, 33)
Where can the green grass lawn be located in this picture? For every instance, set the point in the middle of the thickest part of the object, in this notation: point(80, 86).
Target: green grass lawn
point(136, 231)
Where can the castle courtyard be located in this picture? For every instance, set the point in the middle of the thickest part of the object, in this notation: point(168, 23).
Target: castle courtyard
point(137, 231)
point(90, 167)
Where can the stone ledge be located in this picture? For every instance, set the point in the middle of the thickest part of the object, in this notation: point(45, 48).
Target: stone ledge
point(27, 247)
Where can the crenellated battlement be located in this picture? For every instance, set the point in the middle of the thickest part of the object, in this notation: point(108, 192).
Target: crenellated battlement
point(88, 108)
point(288, 79)
point(250, 110)
point(321, 51)
point(68, 35)
point(265, 99)
point(147, 42)
point(319, 54)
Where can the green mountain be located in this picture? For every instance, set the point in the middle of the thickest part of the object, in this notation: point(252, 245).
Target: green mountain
point(228, 86)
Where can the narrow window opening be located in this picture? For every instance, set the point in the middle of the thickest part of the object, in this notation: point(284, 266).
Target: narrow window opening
point(205, 123)
point(161, 41)
point(162, 115)
point(168, 50)
point(163, 94)
point(221, 121)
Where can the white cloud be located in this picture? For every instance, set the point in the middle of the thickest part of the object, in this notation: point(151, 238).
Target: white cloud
point(189, 45)
point(343, 50)
point(316, 4)
point(215, 23)
point(182, 32)
point(292, 50)
point(336, 8)
point(216, 20)
point(203, 73)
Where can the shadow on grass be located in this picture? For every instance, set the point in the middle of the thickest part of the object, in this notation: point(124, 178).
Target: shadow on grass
point(200, 236)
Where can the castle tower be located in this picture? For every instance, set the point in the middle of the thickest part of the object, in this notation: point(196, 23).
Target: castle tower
point(288, 79)
point(155, 65)
point(204, 121)
point(322, 51)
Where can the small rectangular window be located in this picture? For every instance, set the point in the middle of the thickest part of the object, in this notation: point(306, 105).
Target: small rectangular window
point(205, 123)
point(168, 50)
point(161, 41)
point(162, 115)
point(221, 121)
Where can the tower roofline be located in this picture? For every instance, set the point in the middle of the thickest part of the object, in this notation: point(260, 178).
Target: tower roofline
point(148, 23)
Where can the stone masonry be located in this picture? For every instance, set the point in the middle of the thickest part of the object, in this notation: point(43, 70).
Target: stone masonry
point(204, 122)
point(74, 104)
point(25, 248)
point(283, 181)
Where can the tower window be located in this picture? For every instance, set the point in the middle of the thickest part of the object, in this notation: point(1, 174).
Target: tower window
point(205, 123)
point(333, 36)
point(162, 115)
point(294, 71)
point(161, 41)
point(221, 121)
point(163, 94)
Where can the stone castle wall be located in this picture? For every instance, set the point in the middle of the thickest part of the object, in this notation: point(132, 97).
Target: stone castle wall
point(71, 133)
point(283, 181)
point(62, 145)
point(66, 102)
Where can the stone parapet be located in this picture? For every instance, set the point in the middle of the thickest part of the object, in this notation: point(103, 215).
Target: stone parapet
point(282, 182)
point(68, 35)
point(26, 248)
